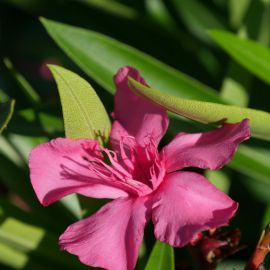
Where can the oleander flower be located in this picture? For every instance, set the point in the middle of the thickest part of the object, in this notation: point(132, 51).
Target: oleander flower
point(144, 183)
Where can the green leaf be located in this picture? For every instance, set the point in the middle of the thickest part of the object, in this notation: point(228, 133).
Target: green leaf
point(197, 17)
point(24, 85)
point(23, 238)
point(252, 55)
point(252, 162)
point(236, 85)
point(6, 111)
point(161, 257)
point(253, 17)
point(100, 57)
point(159, 13)
point(237, 11)
point(206, 112)
point(19, 235)
point(255, 165)
point(231, 264)
point(84, 114)
point(219, 178)
point(112, 7)
point(12, 258)
point(42, 123)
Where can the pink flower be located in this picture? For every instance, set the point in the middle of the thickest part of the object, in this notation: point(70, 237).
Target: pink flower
point(144, 182)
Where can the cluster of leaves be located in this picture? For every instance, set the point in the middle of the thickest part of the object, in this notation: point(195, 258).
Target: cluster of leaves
point(193, 61)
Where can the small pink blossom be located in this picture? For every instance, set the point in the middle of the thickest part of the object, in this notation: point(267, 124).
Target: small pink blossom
point(145, 183)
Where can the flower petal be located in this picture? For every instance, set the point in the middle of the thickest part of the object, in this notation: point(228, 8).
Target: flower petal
point(187, 203)
point(111, 238)
point(61, 167)
point(137, 116)
point(211, 149)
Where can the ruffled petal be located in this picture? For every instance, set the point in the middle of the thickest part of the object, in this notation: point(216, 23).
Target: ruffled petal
point(185, 204)
point(134, 115)
point(62, 166)
point(211, 149)
point(111, 238)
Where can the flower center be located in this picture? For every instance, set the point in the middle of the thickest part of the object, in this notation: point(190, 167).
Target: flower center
point(136, 166)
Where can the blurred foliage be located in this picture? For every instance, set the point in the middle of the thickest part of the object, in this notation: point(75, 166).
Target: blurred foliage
point(162, 33)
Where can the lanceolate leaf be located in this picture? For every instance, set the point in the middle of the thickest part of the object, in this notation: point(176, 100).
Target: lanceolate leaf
point(100, 57)
point(252, 55)
point(207, 112)
point(24, 85)
point(162, 257)
point(197, 17)
point(84, 114)
point(6, 111)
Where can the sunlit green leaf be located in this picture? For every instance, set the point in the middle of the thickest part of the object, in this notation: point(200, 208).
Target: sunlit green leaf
point(252, 55)
point(24, 238)
point(101, 56)
point(12, 257)
point(236, 85)
point(219, 178)
point(84, 114)
point(6, 111)
point(206, 112)
point(19, 235)
point(161, 257)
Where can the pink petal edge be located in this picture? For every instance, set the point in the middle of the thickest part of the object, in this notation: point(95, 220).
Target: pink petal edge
point(211, 149)
point(60, 167)
point(111, 238)
point(134, 115)
point(185, 204)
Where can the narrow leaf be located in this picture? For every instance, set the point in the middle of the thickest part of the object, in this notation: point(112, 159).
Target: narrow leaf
point(159, 12)
point(206, 112)
point(161, 257)
point(21, 236)
point(100, 57)
point(6, 111)
point(237, 11)
point(113, 7)
point(252, 55)
point(12, 258)
point(84, 114)
point(197, 17)
point(24, 85)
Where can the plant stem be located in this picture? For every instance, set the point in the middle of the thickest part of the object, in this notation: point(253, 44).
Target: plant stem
point(262, 249)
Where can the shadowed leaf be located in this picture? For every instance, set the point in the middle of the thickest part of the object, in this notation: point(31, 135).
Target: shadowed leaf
point(6, 111)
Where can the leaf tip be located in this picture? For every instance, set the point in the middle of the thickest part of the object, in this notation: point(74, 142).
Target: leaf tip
point(43, 20)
